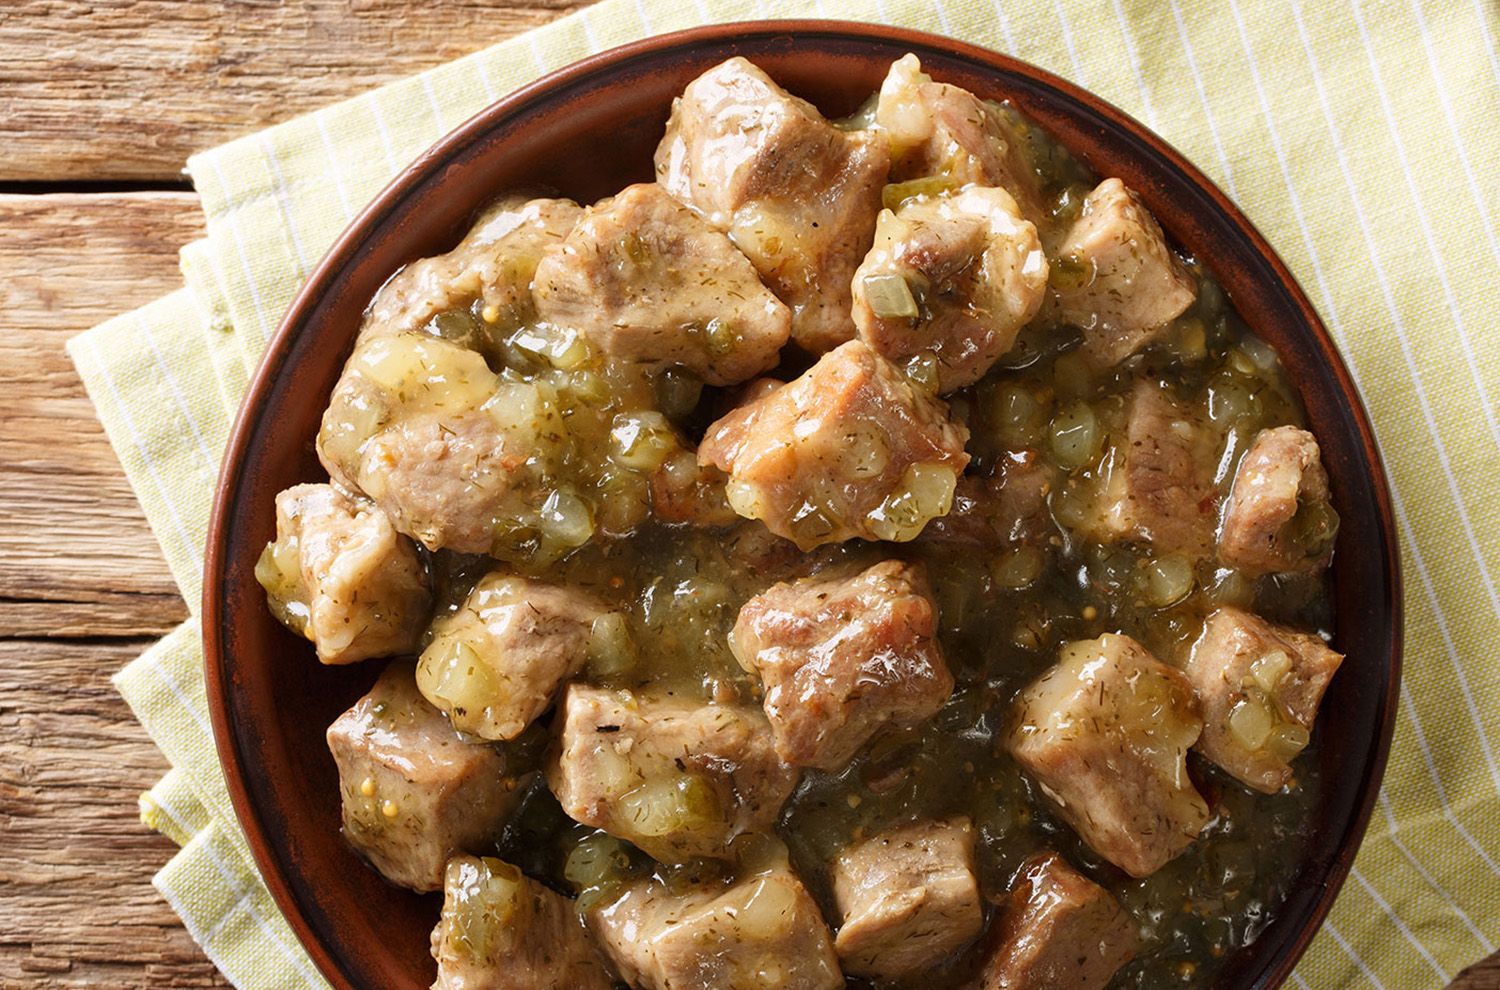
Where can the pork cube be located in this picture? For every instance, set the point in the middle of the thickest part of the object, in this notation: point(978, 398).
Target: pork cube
point(1118, 281)
point(798, 195)
point(426, 430)
point(678, 779)
point(1278, 518)
point(481, 290)
point(339, 574)
point(843, 658)
point(762, 932)
point(1057, 930)
point(945, 133)
point(1161, 484)
point(1105, 733)
point(501, 930)
point(908, 898)
point(850, 449)
point(496, 664)
point(415, 792)
point(1260, 685)
point(952, 279)
point(648, 280)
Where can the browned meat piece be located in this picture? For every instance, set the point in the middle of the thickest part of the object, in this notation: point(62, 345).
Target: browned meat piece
point(1122, 284)
point(1161, 488)
point(495, 664)
point(676, 778)
point(648, 280)
point(340, 574)
point(501, 930)
point(1058, 930)
point(426, 430)
point(1260, 685)
point(1006, 508)
point(908, 898)
point(485, 281)
point(414, 791)
point(952, 277)
point(1278, 517)
point(850, 449)
point(947, 133)
point(842, 659)
point(1105, 733)
point(763, 932)
point(798, 195)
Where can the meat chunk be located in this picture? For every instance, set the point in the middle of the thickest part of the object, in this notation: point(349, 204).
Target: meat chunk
point(908, 898)
point(675, 778)
point(798, 195)
point(850, 449)
point(1260, 685)
point(483, 285)
point(1160, 487)
point(426, 430)
point(1278, 518)
point(501, 930)
point(646, 279)
point(495, 664)
point(414, 791)
point(944, 132)
point(1120, 283)
point(953, 277)
point(762, 932)
point(1105, 733)
point(1057, 930)
point(339, 574)
point(843, 658)
point(1004, 509)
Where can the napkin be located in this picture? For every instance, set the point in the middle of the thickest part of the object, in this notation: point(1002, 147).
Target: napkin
point(1359, 135)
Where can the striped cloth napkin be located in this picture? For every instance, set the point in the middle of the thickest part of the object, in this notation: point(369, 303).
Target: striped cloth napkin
point(1361, 136)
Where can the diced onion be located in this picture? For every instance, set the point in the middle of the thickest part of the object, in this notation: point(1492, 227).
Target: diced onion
point(925, 491)
point(667, 805)
point(611, 648)
point(452, 675)
point(1268, 671)
point(768, 911)
point(1075, 435)
point(642, 440)
point(1251, 723)
point(1167, 579)
point(567, 519)
point(1287, 741)
point(889, 297)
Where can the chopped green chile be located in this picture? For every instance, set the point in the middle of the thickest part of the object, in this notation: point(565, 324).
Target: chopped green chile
point(890, 296)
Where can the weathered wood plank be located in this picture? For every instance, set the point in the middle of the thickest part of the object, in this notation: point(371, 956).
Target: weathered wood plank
point(127, 89)
point(76, 903)
point(71, 532)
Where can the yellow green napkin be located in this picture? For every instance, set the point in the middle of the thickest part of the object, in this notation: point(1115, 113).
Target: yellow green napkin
point(1363, 138)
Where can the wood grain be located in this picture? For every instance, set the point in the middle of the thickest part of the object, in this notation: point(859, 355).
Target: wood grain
point(68, 261)
point(83, 589)
point(127, 89)
point(77, 908)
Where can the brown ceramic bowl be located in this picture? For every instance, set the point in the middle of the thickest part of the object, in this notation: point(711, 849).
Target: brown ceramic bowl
point(589, 130)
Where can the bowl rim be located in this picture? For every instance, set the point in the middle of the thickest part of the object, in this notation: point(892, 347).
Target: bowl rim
point(230, 746)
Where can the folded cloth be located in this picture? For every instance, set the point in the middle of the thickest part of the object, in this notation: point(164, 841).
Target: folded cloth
point(1362, 143)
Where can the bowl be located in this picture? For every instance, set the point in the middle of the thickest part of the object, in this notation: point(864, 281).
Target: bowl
point(588, 130)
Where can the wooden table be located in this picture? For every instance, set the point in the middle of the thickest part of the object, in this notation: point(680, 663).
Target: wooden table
point(100, 105)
